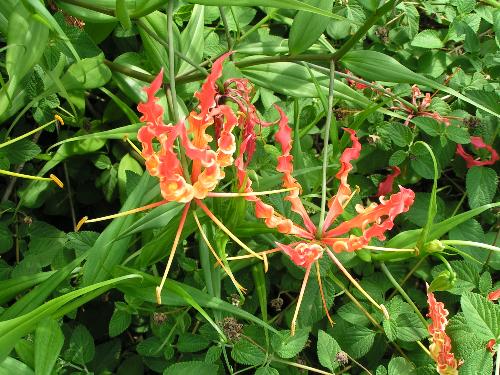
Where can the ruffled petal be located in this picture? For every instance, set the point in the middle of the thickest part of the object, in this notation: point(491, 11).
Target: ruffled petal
point(302, 254)
point(385, 187)
point(440, 347)
point(478, 143)
point(493, 296)
point(336, 203)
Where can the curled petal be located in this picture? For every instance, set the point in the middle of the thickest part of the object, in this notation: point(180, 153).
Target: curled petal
point(440, 347)
point(376, 219)
point(385, 187)
point(478, 143)
point(493, 296)
point(336, 203)
point(303, 254)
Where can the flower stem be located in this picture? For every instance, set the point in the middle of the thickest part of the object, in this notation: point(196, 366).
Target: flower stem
point(171, 59)
point(471, 243)
point(326, 137)
point(391, 278)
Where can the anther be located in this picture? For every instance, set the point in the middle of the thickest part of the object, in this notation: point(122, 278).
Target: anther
point(80, 223)
point(57, 181)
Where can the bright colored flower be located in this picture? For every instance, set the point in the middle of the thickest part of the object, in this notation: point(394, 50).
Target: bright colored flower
point(440, 348)
point(373, 220)
point(163, 157)
point(355, 84)
point(421, 106)
point(493, 296)
point(385, 187)
point(491, 345)
point(478, 143)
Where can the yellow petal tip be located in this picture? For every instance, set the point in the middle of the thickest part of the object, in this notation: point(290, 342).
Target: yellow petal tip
point(57, 181)
point(59, 119)
point(81, 222)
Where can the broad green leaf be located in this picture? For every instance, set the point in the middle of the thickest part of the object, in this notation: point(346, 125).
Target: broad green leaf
point(192, 368)
point(288, 346)
point(81, 348)
point(13, 286)
point(86, 74)
point(481, 314)
point(481, 184)
point(11, 365)
point(267, 371)
point(327, 350)
point(375, 66)
point(399, 365)
point(27, 38)
point(457, 134)
point(49, 340)
point(247, 353)
point(119, 322)
point(427, 39)
point(428, 125)
point(307, 27)
point(121, 12)
point(400, 134)
point(398, 157)
point(6, 240)
point(191, 343)
point(192, 41)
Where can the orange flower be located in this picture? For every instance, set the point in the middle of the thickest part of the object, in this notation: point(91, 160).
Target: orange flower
point(478, 143)
point(169, 163)
point(373, 220)
point(495, 295)
point(440, 348)
point(385, 187)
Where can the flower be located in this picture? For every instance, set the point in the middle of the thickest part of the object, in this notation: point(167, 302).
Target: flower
point(170, 163)
point(373, 221)
point(495, 295)
point(354, 83)
point(385, 187)
point(421, 107)
point(440, 347)
point(478, 143)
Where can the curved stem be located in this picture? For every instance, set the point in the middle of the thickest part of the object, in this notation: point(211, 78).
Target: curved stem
point(391, 278)
point(471, 243)
point(326, 138)
point(171, 60)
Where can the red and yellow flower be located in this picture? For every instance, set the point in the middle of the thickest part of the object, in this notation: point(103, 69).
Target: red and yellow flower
point(440, 347)
point(373, 221)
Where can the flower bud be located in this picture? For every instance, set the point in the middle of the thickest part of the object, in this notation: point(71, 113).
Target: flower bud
point(444, 281)
point(434, 246)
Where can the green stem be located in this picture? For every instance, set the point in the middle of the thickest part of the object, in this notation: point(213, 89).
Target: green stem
point(471, 243)
point(153, 35)
point(257, 25)
point(403, 293)
point(171, 60)
point(226, 29)
point(347, 46)
point(129, 72)
point(326, 137)
point(446, 263)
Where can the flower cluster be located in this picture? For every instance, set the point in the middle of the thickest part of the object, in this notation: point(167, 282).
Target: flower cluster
point(440, 348)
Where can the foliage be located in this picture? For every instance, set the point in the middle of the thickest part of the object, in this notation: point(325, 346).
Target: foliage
point(417, 83)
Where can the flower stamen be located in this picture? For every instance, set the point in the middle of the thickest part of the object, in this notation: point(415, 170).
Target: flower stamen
point(299, 300)
point(31, 177)
point(85, 219)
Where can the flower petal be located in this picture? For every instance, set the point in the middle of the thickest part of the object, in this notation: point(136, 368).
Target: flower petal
point(478, 143)
point(336, 203)
point(373, 220)
point(385, 187)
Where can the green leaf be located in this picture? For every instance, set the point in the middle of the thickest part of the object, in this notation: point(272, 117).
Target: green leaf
point(86, 74)
point(191, 343)
point(400, 134)
point(428, 125)
point(192, 368)
point(409, 328)
point(20, 151)
point(457, 134)
point(6, 240)
point(327, 351)
point(307, 27)
point(122, 14)
point(481, 314)
point(481, 184)
point(267, 371)
point(15, 285)
point(81, 346)
point(282, 4)
point(247, 353)
point(399, 365)
point(120, 321)
point(13, 366)
point(398, 157)
point(464, 6)
point(287, 346)
point(192, 40)
point(49, 341)
point(427, 39)
point(150, 347)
